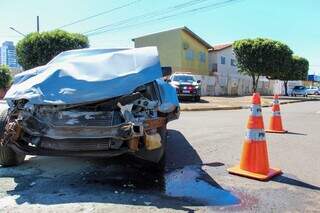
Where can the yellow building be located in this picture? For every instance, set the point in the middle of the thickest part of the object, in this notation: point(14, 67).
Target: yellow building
point(180, 49)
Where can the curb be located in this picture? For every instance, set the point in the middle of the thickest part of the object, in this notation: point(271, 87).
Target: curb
point(242, 107)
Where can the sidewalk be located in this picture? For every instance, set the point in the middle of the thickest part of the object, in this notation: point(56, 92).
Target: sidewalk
point(230, 103)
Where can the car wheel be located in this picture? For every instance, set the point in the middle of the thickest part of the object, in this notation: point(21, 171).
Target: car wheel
point(197, 98)
point(8, 157)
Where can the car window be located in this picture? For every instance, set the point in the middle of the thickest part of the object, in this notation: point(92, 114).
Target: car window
point(184, 78)
point(299, 87)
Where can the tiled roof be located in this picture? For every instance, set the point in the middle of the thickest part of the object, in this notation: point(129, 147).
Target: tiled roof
point(221, 46)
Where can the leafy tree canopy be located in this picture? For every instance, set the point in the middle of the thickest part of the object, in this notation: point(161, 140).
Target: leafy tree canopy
point(260, 56)
point(38, 49)
point(5, 77)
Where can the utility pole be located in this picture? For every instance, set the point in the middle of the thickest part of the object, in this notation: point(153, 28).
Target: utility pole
point(38, 27)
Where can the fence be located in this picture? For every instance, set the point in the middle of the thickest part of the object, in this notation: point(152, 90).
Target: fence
point(240, 85)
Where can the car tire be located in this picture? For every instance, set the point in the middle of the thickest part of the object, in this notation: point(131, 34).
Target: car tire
point(8, 157)
point(197, 99)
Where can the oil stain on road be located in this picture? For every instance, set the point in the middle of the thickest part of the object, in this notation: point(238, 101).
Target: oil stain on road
point(190, 184)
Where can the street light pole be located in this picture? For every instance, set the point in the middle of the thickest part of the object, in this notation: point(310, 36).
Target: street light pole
point(38, 26)
point(18, 32)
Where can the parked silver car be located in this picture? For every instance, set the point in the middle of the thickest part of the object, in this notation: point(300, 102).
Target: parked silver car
point(299, 90)
point(313, 91)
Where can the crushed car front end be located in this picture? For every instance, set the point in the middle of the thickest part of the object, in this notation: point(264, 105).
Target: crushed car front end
point(133, 123)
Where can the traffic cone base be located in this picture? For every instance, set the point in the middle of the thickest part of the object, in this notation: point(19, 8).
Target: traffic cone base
point(275, 131)
point(236, 170)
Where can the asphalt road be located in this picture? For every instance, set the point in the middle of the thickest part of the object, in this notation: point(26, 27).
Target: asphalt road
point(201, 146)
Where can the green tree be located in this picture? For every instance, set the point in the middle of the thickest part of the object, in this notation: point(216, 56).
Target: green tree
point(5, 77)
point(298, 70)
point(38, 49)
point(261, 57)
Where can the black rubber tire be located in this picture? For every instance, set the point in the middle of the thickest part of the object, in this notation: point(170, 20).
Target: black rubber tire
point(197, 99)
point(8, 157)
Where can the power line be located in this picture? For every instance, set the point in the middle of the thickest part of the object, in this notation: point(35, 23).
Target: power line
point(9, 36)
point(99, 14)
point(195, 10)
point(148, 15)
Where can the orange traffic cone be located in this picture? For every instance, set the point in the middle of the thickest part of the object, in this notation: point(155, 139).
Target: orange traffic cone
point(275, 125)
point(254, 160)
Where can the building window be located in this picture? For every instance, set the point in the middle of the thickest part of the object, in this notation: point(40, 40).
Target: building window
point(223, 60)
point(189, 54)
point(202, 57)
point(233, 62)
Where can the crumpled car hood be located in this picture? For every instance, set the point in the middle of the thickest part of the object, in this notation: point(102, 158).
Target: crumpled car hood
point(87, 75)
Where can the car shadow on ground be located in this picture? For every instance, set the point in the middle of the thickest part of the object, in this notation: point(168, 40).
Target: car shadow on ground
point(54, 180)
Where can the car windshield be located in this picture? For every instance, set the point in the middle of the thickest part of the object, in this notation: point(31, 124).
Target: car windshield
point(183, 78)
point(299, 87)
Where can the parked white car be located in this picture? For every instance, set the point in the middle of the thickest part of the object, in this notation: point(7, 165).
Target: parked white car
point(313, 91)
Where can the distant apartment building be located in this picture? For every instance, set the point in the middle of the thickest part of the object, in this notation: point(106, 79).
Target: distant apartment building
point(8, 55)
point(180, 49)
point(222, 60)
point(223, 65)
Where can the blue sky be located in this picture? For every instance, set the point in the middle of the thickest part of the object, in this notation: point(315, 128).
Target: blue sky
point(294, 22)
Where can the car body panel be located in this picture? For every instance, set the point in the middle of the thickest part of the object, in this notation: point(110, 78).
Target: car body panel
point(99, 103)
point(87, 76)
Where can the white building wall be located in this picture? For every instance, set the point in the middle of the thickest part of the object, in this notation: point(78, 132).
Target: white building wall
point(227, 81)
point(226, 69)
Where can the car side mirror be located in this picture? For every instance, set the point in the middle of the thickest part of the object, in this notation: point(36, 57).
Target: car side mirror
point(166, 71)
point(198, 81)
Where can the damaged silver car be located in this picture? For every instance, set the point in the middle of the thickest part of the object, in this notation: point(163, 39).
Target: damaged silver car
point(90, 102)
